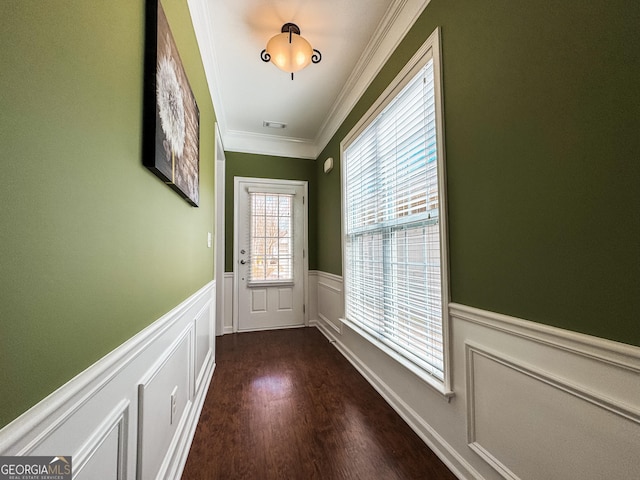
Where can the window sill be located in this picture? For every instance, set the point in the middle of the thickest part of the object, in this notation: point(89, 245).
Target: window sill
point(270, 283)
point(422, 374)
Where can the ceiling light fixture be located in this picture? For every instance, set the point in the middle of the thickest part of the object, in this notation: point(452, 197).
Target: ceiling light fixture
point(289, 51)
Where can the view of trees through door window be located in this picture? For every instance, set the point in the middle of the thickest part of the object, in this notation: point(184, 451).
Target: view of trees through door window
point(271, 237)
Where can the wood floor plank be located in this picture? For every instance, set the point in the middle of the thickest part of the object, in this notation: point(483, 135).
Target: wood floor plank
point(286, 404)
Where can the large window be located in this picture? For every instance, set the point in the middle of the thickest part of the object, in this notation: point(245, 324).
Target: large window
point(394, 241)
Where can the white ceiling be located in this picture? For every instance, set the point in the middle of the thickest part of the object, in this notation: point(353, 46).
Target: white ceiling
point(355, 37)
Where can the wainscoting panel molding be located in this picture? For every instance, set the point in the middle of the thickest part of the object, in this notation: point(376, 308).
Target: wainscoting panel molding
point(330, 304)
point(163, 398)
point(94, 416)
point(312, 306)
point(228, 303)
point(531, 401)
point(569, 427)
point(543, 402)
point(205, 343)
point(104, 455)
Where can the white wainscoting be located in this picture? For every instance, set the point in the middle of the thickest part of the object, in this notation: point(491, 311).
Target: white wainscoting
point(328, 302)
point(228, 303)
point(531, 401)
point(312, 298)
point(115, 418)
point(104, 455)
point(543, 402)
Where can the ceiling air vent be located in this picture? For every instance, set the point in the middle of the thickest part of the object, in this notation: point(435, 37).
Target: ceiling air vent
point(274, 124)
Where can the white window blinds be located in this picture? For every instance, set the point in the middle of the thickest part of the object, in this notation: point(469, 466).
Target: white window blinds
point(392, 238)
point(271, 241)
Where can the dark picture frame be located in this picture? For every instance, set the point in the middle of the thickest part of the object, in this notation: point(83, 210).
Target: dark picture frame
point(171, 130)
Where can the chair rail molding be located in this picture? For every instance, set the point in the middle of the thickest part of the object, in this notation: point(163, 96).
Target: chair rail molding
point(523, 391)
point(600, 349)
point(94, 415)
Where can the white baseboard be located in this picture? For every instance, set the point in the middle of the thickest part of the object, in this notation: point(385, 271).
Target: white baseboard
point(94, 416)
point(531, 401)
point(450, 457)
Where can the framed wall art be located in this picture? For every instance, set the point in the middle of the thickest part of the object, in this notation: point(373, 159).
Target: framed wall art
point(171, 128)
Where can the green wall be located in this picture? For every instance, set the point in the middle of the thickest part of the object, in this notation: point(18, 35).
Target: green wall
point(542, 122)
point(264, 166)
point(93, 247)
point(541, 119)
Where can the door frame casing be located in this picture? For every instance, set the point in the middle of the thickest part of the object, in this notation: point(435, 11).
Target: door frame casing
point(305, 241)
point(219, 237)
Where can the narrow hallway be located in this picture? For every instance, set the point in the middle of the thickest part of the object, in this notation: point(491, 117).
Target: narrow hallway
point(286, 405)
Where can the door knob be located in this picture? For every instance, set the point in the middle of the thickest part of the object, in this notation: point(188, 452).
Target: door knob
point(242, 262)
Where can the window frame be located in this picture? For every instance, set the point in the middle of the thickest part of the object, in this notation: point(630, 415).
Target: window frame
point(261, 282)
point(430, 50)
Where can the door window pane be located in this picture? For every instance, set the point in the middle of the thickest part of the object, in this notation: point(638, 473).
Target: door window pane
point(271, 237)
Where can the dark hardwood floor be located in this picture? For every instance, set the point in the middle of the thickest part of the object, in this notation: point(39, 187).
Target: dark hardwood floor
point(287, 405)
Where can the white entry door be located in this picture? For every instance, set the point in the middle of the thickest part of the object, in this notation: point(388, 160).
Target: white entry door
point(270, 253)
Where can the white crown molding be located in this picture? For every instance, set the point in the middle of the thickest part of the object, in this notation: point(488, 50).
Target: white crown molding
point(398, 19)
point(264, 144)
point(200, 12)
point(396, 23)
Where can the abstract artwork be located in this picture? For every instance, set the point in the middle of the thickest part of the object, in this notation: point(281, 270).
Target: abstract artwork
point(171, 115)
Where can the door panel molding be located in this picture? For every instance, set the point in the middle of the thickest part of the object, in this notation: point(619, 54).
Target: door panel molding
point(252, 185)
